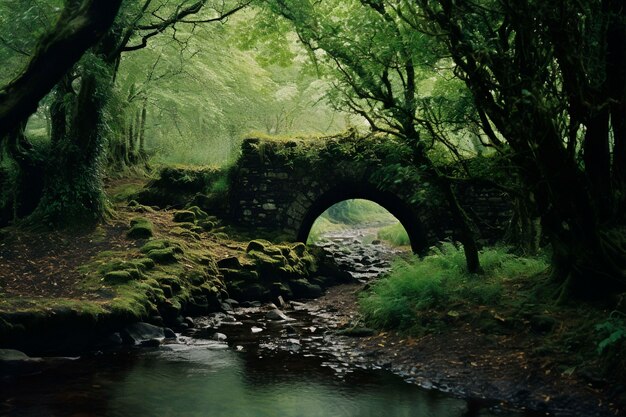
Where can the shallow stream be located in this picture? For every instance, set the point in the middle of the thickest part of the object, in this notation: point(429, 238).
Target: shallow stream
point(264, 367)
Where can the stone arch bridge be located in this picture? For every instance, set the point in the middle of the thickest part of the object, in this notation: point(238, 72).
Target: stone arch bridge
point(284, 185)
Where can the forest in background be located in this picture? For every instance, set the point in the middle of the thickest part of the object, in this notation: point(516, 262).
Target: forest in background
point(191, 94)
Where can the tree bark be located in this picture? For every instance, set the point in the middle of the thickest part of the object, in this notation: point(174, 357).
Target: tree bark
point(77, 29)
point(142, 130)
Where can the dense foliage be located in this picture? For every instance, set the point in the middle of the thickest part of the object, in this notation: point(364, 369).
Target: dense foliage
point(414, 288)
point(542, 85)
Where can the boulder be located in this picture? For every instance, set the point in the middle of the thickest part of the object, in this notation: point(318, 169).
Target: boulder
point(198, 213)
point(232, 262)
point(220, 337)
point(14, 362)
point(184, 216)
point(163, 256)
point(118, 277)
point(304, 289)
point(140, 228)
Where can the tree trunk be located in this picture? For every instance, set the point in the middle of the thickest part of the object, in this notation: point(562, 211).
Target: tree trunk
point(467, 231)
point(77, 29)
point(525, 231)
point(58, 111)
point(142, 130)
point(73, 193)
point(28, 184)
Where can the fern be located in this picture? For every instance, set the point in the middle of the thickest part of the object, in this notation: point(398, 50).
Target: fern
point(613, 332)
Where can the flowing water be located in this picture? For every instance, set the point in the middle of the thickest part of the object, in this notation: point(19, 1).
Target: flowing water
point(289, 368)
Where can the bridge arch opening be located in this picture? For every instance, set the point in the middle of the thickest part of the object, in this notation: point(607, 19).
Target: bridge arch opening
point(403, 212)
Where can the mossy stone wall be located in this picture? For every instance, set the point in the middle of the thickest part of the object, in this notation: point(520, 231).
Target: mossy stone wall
point(285, 185)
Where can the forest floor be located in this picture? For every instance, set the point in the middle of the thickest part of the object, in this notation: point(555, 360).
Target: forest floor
point(41, 270)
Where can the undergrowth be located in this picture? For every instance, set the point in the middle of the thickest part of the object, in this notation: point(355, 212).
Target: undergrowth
point(403, 299)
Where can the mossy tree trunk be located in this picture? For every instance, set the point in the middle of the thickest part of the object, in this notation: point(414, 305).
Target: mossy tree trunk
point(79, 26)
point(73, 193)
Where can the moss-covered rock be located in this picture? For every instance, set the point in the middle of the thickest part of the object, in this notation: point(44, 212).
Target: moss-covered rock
point(184, 216)
point(304, 289)
point(232, 262)
point(139, 208)
point(207, 225)
point(244, 275)
point(267, 261)
point(163, 256)
point(144, 264)
point(257, 245)
point(199, 213)
point(184, 233)
point(299, 249)
point(116, 277)
point(161, 244)
point(281, 289)
point(140, 228)
point(186, 225)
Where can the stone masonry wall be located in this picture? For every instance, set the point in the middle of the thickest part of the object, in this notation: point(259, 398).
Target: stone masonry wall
point(274, 188)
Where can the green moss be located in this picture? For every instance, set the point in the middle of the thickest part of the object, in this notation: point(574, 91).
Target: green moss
point(161, 244)
point(115, 277)
point(163, 256)
point(264, 259)
point(125, 191)
point(184, 216)
point(140, 228)
point(198, 212)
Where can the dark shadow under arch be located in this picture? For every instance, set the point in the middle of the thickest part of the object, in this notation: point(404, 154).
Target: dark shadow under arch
point(402, 211)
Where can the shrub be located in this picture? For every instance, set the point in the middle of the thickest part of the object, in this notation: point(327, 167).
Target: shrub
point(406, 297)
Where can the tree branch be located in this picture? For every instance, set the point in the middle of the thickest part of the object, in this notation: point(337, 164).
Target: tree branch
point(77, 29)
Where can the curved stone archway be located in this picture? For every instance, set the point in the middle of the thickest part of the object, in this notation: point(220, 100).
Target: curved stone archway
point(346, 191)
point(283, 185)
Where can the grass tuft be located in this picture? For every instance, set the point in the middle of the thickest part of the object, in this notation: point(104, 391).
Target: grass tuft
point(405, 298)
point(394, 234)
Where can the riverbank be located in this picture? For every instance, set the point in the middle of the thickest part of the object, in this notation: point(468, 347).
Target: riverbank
point(69, 293)
point(499, 370)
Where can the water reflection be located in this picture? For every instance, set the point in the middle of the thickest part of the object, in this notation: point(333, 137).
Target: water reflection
point(207, 380)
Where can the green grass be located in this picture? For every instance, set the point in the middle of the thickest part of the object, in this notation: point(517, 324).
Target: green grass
point(406, 298)
point(357, 211)
point(394, 234)
point(348, 213)
point(321, 226)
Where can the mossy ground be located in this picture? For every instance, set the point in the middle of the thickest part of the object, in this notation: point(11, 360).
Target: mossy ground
point(144, 262)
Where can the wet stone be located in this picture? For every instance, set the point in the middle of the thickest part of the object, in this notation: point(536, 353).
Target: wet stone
point(276, 314)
